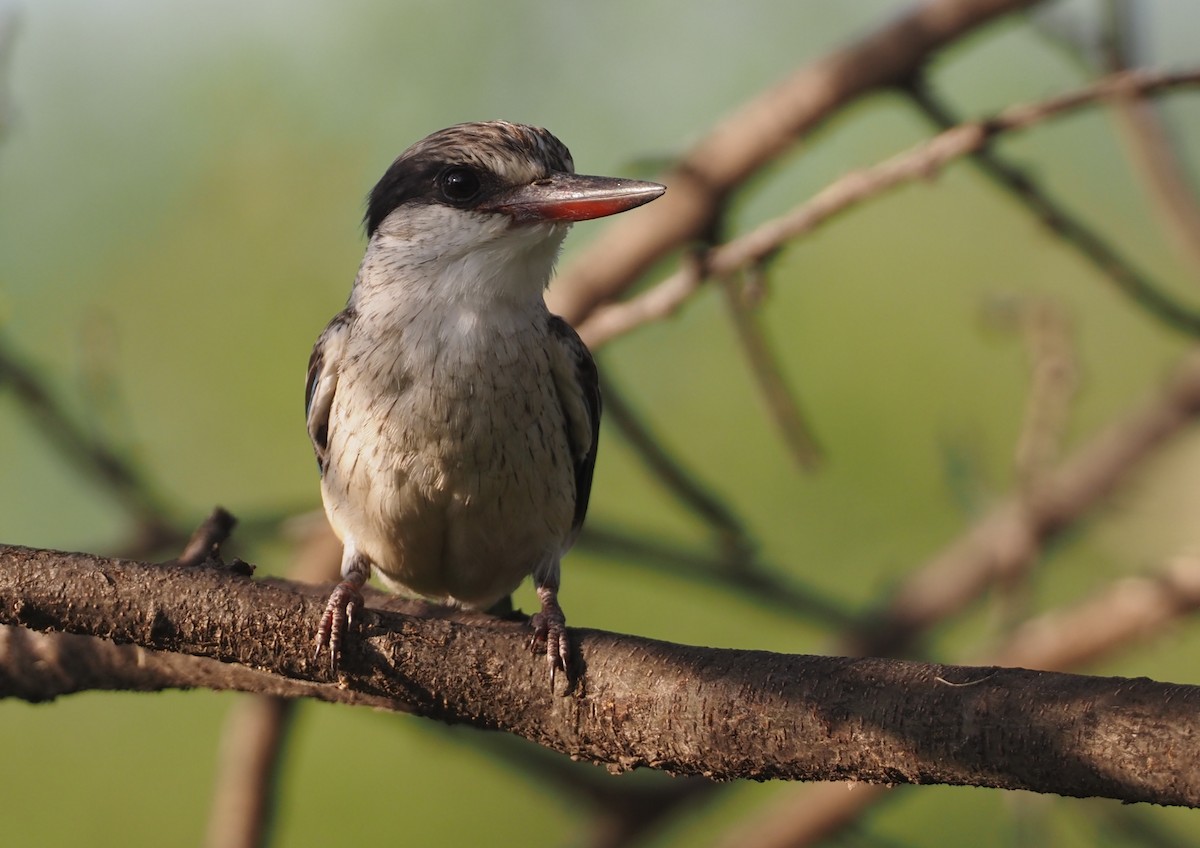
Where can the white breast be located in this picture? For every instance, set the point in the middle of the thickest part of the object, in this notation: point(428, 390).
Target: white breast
point(450, 465)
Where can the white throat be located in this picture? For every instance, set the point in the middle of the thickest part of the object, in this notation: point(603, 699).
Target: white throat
point(433, 259)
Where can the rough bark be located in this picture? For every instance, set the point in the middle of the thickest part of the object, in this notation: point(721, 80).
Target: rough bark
point(639, 702)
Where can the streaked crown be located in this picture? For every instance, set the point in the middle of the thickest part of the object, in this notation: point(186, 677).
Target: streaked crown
point(443, 167)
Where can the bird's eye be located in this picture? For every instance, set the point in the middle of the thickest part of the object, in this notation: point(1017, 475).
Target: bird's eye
point(458, 184)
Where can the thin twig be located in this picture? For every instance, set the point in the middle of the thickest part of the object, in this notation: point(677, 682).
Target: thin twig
point(204, 546)
point(783, 407)
point(1148, 143)
point(733, 538)
point(1054, 381)
point(1134, 282)
point(754, 579)
point(128, 486)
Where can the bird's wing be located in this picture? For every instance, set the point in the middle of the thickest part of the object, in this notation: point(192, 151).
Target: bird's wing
point(579, 393)
point(323, 368)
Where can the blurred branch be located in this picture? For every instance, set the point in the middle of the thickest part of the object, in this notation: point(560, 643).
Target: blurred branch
point(1010, 536)
point(732, 537)
point(8, 39)
point(205, 543)
point(1104, 257)
point(249, 756)
point(1112, 44)
point(623, 808)
point(1005, 541)
point(918, 163)
point(736, 566)
point(1148, 144)
point(755, 135)
point(1054, 381)
point(1131, 609)
point(94, 459)
point(752, 578)
point(782, 405)
point(718, 712)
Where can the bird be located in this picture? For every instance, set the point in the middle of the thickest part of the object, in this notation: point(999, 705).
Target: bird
point(454, 418)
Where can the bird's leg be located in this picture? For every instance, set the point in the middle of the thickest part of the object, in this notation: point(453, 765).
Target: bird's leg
point(550, 625)
point(345, 599)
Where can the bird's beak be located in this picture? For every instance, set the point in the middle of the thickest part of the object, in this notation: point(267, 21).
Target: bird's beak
point(573, 197)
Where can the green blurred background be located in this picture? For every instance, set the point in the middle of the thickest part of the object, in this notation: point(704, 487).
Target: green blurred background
point(180, 193)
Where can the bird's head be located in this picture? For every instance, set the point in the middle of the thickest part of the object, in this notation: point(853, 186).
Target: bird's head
point(485, 206)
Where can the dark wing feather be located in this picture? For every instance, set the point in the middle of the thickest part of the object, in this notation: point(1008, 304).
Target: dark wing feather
point(579, 393)
point(323, 369)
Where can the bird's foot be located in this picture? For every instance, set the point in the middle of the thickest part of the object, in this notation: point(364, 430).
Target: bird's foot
point(550, 634)
point(344, 601)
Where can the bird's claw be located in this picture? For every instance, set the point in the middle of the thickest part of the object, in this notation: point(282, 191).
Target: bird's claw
point(344, 601)
point(550, 636)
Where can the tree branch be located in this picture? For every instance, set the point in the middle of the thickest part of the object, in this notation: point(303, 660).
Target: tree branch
point(1131, 609)
point(1144, 131)
point(1132, 281)
point(639, 702)
point(1008, 538)
point(754, 135)
point(94, 459)
point(606, 322)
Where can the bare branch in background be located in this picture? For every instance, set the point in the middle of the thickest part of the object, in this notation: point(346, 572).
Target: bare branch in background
point(918, 163)
point(114, 473)
point(1148, 143)
point(246, 792)
point(1053, 384)
point(1132, 281)
point(1113, 44)
point(755, 135)
point(736, 565)
point(733, 539)
point(1132, 609)
point(783, 407)
point(1009, 538)
point(753, 579)
point(621, 808)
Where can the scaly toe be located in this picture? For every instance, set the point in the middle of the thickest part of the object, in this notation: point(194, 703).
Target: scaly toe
point(344, 602)
point(550, 637)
